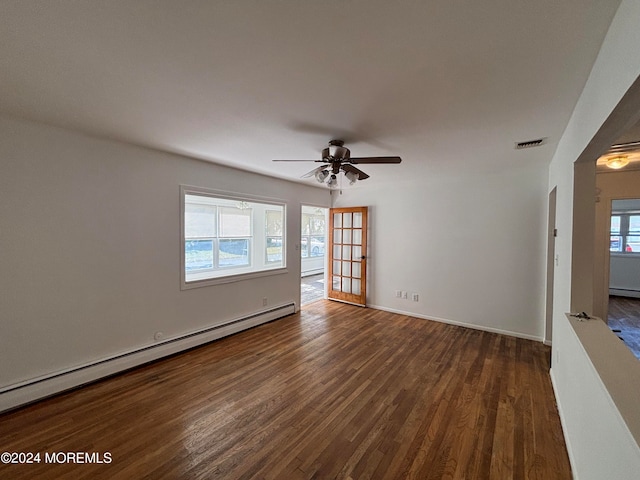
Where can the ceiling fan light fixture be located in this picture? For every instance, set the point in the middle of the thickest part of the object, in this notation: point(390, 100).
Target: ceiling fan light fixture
point(617, 162)
point(352, 177)
point(321, 175)
point(333, 182)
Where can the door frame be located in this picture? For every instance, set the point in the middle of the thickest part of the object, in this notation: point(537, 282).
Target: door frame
point(551, 261)
point(325, 264)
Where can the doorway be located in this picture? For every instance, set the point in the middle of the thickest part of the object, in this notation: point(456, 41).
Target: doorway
point(551, 261)
point(623, 312)
point(313, 241)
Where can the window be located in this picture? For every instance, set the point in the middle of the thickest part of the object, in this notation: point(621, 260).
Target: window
point(632, 239)
point(624, 236)
point(274, 226)
point(615, 240)
point(312, 242)
point(226, 236)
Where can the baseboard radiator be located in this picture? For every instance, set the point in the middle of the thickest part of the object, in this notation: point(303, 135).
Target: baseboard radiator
point(19, 394)
point(624, 292)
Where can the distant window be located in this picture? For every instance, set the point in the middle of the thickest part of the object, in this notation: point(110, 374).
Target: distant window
point(624, 236)
point(313, 236)
point(222, 236)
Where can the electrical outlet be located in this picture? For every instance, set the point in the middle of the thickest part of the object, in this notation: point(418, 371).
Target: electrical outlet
point(414, 297)
point(398, 294)
point(404, 295)
point(264, 302)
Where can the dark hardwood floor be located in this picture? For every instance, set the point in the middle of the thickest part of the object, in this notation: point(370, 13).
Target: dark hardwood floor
point(624, 315)
point(335, 391)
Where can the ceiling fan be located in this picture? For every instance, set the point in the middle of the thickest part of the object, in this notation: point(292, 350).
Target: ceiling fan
point(337, 158)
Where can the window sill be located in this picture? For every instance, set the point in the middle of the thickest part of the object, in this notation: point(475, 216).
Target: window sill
point(231, 278)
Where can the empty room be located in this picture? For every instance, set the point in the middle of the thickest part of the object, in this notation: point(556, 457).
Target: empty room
point(334, 239)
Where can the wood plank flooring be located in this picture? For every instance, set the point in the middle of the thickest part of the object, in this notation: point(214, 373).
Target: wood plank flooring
point(335, 391)
point(624, 315)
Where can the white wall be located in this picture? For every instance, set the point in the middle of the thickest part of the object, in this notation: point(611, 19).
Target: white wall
point(595, 411)
point(471, 246)
point(624, 277)
point(313, 266)
point(90, 253)
point(591, 426)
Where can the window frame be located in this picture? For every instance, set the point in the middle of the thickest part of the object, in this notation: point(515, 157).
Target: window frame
point(231, 274)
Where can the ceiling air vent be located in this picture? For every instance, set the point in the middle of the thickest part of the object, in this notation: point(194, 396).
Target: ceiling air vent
point(530, 143)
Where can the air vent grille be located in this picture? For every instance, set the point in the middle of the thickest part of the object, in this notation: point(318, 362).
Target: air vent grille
point(530, 143)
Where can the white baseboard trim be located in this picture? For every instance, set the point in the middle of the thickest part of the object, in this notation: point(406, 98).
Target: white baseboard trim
point(563, 424)
point(19, 394)
point(460, 324)
point(620, 292)
point(309, 273)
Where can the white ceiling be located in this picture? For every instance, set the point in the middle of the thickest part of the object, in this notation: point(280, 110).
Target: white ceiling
point(447, 85)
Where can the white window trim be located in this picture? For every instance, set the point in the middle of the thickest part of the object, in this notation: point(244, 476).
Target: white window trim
point(236, 277)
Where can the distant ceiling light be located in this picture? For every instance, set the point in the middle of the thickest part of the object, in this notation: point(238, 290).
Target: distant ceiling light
point(321, 175)
point(617, 162)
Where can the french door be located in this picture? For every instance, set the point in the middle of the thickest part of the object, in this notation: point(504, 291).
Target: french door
point(348, 255)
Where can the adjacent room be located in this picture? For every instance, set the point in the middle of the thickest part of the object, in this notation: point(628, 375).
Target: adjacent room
point(280, 239)
point(624, 272)
point(617, 241)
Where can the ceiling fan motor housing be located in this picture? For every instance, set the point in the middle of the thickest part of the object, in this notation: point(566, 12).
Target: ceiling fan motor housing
point(336, 151)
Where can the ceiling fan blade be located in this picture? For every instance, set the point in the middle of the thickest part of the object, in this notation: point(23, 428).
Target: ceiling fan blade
point(351, 168)
point(314, 171)
point(288, 160)
point(357, 160)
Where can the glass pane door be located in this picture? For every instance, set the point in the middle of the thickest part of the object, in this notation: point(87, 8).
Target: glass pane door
point(347, 237)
